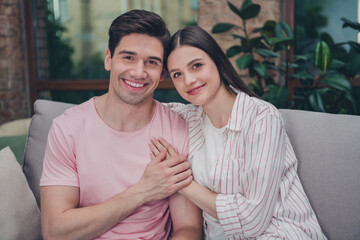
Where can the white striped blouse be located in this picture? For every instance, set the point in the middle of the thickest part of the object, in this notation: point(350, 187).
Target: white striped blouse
point(259, 192)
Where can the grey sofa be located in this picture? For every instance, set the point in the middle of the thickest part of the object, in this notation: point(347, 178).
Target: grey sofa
point(327, 147)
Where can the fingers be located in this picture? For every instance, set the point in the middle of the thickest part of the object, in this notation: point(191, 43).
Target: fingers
point(158, 158)
point(157, 146)
point(171, 151)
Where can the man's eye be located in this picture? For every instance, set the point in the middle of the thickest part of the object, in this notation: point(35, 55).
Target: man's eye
point(128, 58)
point(152, 62)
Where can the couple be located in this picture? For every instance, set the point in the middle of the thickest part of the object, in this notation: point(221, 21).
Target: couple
point(118, 165)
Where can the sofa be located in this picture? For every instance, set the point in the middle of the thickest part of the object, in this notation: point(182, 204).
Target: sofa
point(327, 147)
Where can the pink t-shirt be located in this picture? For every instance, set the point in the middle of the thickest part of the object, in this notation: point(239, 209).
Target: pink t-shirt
point(84, 152)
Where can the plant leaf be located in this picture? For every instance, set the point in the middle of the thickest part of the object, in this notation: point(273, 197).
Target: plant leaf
point(262, 70)
point(355, 46)
point(222, 27)
point(250, 11)
point(266, 53)
point(338, 82)
point(234, 50)
point(234, 9)
point(244, 61)
point(322, 56)
point(348, 23)
point(283, 30)
point(316, 101)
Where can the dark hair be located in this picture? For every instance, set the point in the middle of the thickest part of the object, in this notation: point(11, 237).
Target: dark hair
point(138, 21)
point(197, 37)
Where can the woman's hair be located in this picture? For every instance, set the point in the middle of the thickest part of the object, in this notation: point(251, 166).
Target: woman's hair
point(138, 21)
point(195, 36)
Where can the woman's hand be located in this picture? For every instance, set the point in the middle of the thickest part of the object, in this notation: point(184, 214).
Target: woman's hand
point(157, 145)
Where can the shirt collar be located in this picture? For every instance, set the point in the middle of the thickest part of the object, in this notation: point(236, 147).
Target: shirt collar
point(236, 117)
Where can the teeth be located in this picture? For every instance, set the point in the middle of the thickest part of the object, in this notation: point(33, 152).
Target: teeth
point(133, 84)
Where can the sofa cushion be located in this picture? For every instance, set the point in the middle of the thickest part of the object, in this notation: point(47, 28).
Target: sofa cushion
point(19, 214)
point(327, 147)
point(44, 112)
point(16, 144)
point(15, 127)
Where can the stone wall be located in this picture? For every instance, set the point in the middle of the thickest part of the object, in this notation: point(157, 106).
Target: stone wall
point(13, 87)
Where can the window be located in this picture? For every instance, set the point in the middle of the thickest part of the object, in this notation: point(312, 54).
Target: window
point(70, 39)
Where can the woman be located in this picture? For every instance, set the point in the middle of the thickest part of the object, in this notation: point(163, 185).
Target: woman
point(243, 164)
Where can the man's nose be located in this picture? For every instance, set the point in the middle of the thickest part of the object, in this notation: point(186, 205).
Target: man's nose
point(138, 70)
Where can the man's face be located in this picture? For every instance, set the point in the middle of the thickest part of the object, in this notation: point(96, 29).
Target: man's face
point(135, 68)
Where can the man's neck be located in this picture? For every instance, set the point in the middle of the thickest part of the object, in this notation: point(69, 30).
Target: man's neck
point(124, 117)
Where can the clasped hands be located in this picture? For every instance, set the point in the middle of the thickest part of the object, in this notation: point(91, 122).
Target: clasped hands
point(167, 173)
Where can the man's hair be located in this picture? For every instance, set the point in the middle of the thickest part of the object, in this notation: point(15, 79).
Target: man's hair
point(197, 37)
point(138, 21)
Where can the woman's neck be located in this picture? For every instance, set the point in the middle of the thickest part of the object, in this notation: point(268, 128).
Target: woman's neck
point(219, 109)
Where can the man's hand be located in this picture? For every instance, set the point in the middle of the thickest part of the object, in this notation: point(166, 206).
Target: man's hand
point(163, 178)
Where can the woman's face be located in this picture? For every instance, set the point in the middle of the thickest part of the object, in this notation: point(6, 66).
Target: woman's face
point(194, 74)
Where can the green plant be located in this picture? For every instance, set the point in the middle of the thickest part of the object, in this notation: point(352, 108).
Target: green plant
point(266, 53)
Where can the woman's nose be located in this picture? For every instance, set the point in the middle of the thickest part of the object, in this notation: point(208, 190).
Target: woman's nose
point(190, 79)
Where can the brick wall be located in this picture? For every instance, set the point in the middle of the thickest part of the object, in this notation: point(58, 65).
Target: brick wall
point(215, 11)
point(13, 89)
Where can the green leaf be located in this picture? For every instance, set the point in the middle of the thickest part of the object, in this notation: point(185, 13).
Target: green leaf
point(278, 95)
point(316, 101)
point(336, 64)
point(283, 30)
point(222, 27)
point(234, 50)
point(245, 4)
point(354, 66)
point(338, 82)
point(262, 70)
point(266, 53)
point(268, 29)
point(250, 11)
point(276, 40)
point(234, 9)
point(236, 36)
point(355, 46)
point(322, 56)
point(348, 23)
point(244, 61)
point(351, 99)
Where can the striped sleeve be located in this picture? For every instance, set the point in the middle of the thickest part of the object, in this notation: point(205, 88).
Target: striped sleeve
point(249, 214)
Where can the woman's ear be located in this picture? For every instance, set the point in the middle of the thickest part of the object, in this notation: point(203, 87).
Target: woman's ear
point(107, 61)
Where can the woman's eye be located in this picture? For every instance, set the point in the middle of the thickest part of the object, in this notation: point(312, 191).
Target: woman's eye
point(197, 65)
point(176, 75)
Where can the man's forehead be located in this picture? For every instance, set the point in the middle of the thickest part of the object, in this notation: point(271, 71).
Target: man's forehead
point(142, 45)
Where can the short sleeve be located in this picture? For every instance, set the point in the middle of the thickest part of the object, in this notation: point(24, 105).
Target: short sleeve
point(59, 166)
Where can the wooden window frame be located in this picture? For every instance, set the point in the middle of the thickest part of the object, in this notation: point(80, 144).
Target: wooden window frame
point(80, 84)
point(102, 84)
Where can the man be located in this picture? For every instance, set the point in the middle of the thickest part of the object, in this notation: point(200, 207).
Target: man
point(98, 180)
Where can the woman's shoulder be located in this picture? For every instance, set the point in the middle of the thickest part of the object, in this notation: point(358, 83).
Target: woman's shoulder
point(186, 111)
point(258, 109)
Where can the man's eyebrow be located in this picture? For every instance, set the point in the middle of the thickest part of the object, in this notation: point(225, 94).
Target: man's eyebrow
point(188, 64)
point(134, 53)
point(127, 52)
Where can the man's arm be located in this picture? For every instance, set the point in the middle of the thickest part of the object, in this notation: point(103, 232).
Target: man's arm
point(62, 219)
point(186, 218)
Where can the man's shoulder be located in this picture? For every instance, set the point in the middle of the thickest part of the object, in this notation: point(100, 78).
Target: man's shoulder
point(75, 115)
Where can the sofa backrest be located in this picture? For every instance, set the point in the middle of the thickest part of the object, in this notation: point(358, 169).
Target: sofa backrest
point(327, 147)
point(44, 112)
point(328, 150)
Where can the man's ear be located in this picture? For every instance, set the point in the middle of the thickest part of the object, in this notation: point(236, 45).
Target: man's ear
point(107, 61)
point(162, 74)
